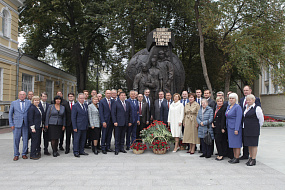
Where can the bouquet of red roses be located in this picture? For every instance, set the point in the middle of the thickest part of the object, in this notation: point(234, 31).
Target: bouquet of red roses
point(138, 147)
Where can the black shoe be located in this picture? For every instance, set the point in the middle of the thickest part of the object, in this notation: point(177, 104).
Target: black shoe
point(231, 160)
point(116, 153)
point(123, 151)
point(77, 155)
point(250, 158)
point(202, 155)
point(66, 151)
point(35, 158)
point(208, 156)
point(84, 153)
point(61, 148)
point(252, 162)
point(96, 151)
point(54, 154)
point(235, 160)
point(47, 153)
point(104, 151)
point(110, 150)
point(243, 157)
point(127, 148)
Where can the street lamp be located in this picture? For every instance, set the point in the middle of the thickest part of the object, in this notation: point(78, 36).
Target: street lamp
point(91, 62)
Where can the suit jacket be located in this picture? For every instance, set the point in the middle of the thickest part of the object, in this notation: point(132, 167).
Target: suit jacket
point(94, 117)
point(211, 103)
point(68, 112)
point(200, 101)
point(119, 115)
point(35, 117)
point(53, 117)
point(150, 108)
point(44, 111)
point(164, 111)
point(134, 110)
point(234, 117)
point(105, 111)
point(145, 112)
point(79, 116)
point(257, 102)
point(18, 116)
point(186, 101)
point(220, 119)
point(156, 115)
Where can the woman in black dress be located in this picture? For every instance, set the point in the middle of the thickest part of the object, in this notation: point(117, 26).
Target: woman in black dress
point(55, 122)
point(252, 121)
point(219, 127)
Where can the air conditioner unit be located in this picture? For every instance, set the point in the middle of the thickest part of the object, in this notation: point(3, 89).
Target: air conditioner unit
point(6, 108)
point(57, 83)
point(39, 78)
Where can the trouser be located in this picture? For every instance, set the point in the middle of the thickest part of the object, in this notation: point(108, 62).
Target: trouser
point(140, 127)
point(120, 137)
point(207, 149)
point(131, 134)
point(61, 139)
point(244, 148)
point(68, 134)
point(17, 133)
point(79, 141)
point(36, 142)
point(46, 140)
point(221, 143)
point(106, 136)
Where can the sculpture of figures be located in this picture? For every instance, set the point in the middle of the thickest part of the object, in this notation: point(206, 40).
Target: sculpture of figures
point(143, 80)
point(156, 74)
point(166, 69)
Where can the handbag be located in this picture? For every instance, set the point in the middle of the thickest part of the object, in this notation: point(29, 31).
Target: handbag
point(207, 138)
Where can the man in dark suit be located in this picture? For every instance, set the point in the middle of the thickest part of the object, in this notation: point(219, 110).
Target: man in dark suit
point(246, 91)
point(44, 105)
point(199, 96)
point(157, 106)
point(165, 105)
point(105, 107)
point(207, 96)
point(184, 99)
point(149, 101)
point(79, 119)
point(114, 94)
point(68, 128)
point(131, 130)
point(143, 115)
point(121, 116)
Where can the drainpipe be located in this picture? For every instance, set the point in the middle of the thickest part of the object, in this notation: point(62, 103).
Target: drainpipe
point(20, 54)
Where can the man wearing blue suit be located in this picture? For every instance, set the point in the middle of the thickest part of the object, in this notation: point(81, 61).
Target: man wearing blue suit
point(79, 118)
point(132, 130)
point(44, 105)
point(121, 116)
point(18, 121)
point(184, 99)
point(246, 91)
point(105, 107)
point(165, 105)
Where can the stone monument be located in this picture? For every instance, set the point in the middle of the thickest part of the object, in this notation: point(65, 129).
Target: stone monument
point(156, 64)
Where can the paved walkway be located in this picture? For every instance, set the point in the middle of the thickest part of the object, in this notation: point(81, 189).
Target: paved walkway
point(146, 171)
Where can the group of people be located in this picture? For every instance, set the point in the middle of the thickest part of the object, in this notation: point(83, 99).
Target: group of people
point(94, 121)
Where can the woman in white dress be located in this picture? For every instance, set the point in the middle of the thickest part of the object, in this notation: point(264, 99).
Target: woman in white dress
point(175, 118)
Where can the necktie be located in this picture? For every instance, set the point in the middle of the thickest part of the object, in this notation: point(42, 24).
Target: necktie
point(70, 105)
point(109, 104)
point(148, 102)
point(44, 106)
point(199, 101)
point(22, 107)
point(140, 110)
point(183, 102)
point(245, 103)
point(124, 105)
point(168, 104)
point(159, 103)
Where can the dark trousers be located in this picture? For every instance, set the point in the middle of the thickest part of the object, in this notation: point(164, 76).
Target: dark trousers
point(61, 139)
point(120, 137)
point(79, 141)
point(244, 148)
point(106, 136)
point(131, 134)
point(140, 127)
point(36, 142)
point(221, 143)
point(46, 140)
point(68, 133)
point(206, 149)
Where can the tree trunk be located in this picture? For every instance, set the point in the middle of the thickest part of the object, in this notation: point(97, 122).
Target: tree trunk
point(227, 81)
point(81, 68)
point(202, 54)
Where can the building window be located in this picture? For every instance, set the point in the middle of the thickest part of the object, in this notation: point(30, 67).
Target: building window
point(1, 84)
point(267, 75)
point(6, 22)
point(49, 90)
point(267, 89)
point(27, 83)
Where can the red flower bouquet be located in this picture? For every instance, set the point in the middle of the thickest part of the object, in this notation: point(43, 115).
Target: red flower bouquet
point(138, 147)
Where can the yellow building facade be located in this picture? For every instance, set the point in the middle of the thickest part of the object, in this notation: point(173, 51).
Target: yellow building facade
point(33, 75)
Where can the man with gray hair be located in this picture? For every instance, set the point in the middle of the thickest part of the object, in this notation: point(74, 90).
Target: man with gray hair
point(79, 118)
point(114, 94)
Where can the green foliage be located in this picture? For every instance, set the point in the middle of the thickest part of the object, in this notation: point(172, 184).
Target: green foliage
point(273, 124)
